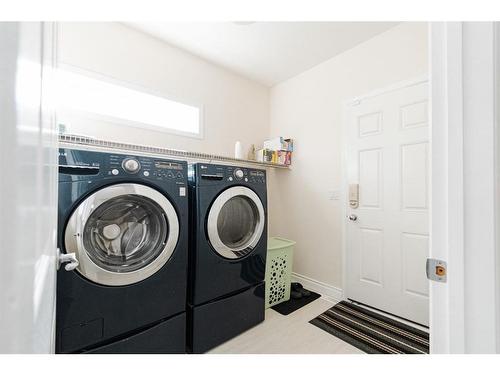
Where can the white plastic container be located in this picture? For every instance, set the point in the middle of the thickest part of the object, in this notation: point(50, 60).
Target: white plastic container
point(238, 150)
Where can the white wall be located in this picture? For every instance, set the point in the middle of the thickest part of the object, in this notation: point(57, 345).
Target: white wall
point(235, 108)
point(308, 108)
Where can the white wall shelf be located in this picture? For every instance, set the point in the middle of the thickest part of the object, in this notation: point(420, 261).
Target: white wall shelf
point(72, 141)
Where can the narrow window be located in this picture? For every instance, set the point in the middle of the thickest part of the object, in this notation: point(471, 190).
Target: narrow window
point(82, 93)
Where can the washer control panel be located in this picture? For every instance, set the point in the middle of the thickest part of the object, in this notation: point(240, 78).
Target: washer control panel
point(155, 169)
point(82, 164)
point(131, 165)
point(239, 174)
point(165, 169)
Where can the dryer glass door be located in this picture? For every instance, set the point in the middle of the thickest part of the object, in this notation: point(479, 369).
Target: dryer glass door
point(122, 234)
point(235, 222)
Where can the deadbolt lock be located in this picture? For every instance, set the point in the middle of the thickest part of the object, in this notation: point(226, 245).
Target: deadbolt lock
point(436, 270)
point(354, 195)
point(440, 271)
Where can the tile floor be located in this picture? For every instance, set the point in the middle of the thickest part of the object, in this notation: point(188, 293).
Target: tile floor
point(290, 334)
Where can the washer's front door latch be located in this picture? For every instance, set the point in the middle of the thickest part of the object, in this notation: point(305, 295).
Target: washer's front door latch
point(69, 258)
point(436, 270)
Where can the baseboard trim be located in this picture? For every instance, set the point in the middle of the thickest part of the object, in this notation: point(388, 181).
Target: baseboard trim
point(327, 291)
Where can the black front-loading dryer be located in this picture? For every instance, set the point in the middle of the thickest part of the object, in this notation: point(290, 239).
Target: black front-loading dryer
point(227, 253)
point(125, 219)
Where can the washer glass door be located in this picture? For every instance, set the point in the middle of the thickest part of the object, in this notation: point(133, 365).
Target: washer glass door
point(235, 222)
point(122, 234)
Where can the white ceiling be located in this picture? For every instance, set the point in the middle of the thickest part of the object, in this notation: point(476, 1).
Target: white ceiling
point(267, 52)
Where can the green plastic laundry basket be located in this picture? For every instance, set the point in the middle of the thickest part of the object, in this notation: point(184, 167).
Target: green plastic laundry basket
point(278, 270)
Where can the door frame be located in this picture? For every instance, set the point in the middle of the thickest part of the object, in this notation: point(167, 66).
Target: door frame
point(344, 158)
point(447, 186)
point(464, 62)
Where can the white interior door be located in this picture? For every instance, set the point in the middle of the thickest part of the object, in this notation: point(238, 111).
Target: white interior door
point(388, 233)
point(28, 189)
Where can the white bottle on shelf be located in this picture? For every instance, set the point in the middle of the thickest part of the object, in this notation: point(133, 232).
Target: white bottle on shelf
point(238, 150)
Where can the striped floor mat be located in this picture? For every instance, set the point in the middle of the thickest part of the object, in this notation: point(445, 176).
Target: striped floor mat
point(371, 332)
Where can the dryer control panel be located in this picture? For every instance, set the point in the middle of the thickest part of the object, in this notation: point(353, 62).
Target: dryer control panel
point(227, 173)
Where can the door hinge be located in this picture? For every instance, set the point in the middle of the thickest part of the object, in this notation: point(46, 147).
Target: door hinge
point(436, 270)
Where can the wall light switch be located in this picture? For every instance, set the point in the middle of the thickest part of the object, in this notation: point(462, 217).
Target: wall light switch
point(334, 195)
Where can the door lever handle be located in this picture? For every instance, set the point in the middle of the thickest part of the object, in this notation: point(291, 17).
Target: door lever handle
point(353, 217)
point(69, 258)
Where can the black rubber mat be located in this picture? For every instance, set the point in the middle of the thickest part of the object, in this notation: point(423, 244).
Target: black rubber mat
point(288, 307)
point(372, 332)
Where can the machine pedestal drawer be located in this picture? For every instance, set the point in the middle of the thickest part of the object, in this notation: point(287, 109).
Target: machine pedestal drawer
point(213, 323)
point(164, 338)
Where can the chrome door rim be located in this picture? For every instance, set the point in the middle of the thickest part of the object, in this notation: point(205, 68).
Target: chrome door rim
point(213, 234)
point(76, 224)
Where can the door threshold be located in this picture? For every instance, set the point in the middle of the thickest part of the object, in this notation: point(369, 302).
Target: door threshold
point(392, 316)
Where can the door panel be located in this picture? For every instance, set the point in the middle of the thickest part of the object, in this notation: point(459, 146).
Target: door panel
point(414, 248)
point(414, 115)
point(371, 247)
point(387, 244)
point(370, 124)
point(370, 178)
point(28, 186)
point(414, 176)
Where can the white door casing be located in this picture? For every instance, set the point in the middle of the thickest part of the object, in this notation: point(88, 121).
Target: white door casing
point(464, 65)
point(387, 154)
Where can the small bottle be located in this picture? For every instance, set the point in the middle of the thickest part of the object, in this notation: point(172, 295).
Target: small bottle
point(251, 152)
point(238, 150)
